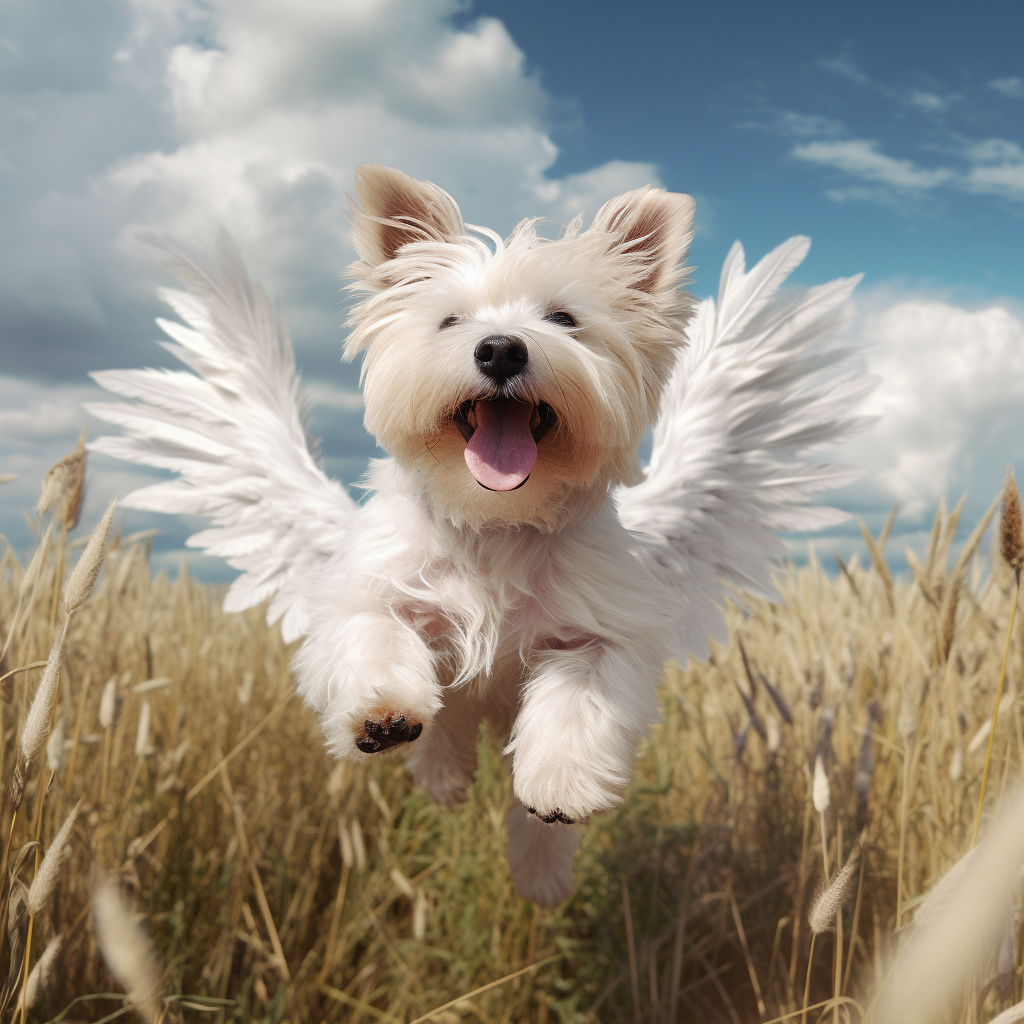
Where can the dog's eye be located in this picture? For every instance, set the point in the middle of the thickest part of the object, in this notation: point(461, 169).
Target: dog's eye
point(561, 318)
point(448, 321)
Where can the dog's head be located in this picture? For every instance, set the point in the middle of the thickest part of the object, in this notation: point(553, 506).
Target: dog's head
point(515, 378)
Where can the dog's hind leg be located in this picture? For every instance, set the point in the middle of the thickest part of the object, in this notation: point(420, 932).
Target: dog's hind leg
point(444, 760)
point(540, 857)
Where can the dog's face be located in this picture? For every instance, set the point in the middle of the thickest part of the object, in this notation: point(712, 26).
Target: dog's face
point(515, 379)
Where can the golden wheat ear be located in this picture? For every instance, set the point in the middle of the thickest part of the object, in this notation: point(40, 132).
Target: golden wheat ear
point(394, 210)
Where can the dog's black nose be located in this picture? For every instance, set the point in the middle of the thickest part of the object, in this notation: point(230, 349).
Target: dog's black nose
point(500, 358)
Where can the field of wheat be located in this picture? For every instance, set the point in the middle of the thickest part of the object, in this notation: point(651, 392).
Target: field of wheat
point(173, 828)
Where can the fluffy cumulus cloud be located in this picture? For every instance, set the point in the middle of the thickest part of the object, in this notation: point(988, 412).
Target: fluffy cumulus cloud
point(178, 117)
point(951, 390)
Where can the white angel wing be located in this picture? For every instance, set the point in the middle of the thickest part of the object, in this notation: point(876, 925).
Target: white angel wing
point(760, 386)
point(233, 431)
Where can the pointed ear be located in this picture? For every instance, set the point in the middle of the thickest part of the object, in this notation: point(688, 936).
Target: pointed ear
point(395, 209)
point(652, 228)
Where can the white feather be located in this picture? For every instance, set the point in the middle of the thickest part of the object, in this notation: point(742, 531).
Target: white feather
point(760, 386)
point(233, 431)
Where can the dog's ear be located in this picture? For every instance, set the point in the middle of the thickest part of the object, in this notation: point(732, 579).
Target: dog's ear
point(395, 209)
point(653, 229)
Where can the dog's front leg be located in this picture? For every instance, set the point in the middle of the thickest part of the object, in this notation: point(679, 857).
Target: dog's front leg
point(583, 713)
point(371, 677)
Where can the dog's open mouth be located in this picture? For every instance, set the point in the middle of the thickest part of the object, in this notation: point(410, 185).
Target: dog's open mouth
point(501, 439)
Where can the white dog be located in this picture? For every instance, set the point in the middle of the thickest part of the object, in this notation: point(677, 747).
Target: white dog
point(515, 562)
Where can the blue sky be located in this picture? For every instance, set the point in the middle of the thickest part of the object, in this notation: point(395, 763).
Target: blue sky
point(771, 113)
point(891, 134)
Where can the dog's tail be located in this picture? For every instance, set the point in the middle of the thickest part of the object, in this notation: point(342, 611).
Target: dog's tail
point(234, 433)
point(761, 385)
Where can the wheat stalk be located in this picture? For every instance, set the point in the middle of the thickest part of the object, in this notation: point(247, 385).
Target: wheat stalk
point(1011, 537)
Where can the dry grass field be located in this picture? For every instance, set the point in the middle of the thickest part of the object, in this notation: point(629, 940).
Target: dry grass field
point(276, 885)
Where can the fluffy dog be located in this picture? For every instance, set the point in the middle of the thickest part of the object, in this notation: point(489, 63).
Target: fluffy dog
point(514, 561)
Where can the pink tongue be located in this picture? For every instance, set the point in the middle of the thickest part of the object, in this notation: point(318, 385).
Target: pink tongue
point(502, 451)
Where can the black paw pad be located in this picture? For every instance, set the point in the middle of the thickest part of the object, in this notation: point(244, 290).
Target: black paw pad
point(555, 815)
point(386, 734)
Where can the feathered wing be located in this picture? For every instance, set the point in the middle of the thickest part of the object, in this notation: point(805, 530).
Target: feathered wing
point(233, 430)
point(760, 387)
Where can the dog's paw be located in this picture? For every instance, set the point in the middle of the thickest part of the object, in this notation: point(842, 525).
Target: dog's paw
point(558, 790)
point(552, 816)
point(386, 730)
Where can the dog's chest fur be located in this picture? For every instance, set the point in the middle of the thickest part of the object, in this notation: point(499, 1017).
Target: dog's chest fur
point(491, 601)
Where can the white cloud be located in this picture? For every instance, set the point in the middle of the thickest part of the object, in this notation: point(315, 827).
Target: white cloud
point(1012, 87)
point(930, 102)
point(860, 158)
point(576, 193)
point(249, 114)
point(274, 116)
point(328, 396)
point(952, 384)
point(181, 116)
point(992, 167)
point(997, 168)
point(846, 67)
point(791, 122)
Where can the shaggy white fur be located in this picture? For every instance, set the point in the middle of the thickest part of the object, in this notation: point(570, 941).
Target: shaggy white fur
point(514, 562)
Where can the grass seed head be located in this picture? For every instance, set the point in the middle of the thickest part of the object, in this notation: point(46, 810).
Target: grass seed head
point(37, 722)
point(358, 845)
point(43, 971)
point(28, 581)
point(819, 789)
point(419, 917)
point(956, 764)
point(245, 690)
point(1014, 1015)
point(43, 885)
point(142, 735)
point(83, 576)
point(832, 897)
point(126, 949)
point(17, 926)
point(55, 746)
point(63, 486)
point(1011, 531)
point(109, 704)
point(348, 853)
